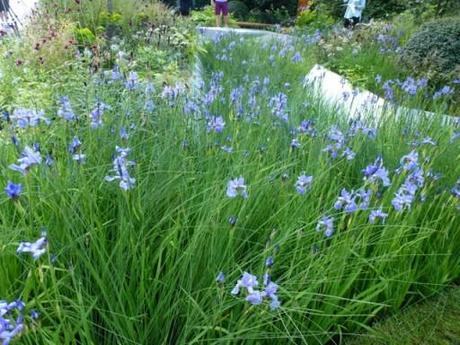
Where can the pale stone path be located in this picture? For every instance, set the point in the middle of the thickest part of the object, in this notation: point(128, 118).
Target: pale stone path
point(22, 8)
point(20, 11)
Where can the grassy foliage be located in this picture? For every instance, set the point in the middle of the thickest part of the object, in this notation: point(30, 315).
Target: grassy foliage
point(139, 266)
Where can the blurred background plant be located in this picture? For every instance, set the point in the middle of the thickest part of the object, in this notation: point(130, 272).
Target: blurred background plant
point(205, 17)
point(315, 17)
point(434, 50)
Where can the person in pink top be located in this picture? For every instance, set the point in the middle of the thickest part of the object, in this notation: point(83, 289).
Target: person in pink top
point(220, 9)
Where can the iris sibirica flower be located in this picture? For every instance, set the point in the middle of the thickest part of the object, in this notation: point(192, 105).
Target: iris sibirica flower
point(232, 220)
point(74, 145)
point(49, 161)
point(388, 90)
point(120, 169)
point(13, 190)
point(116, 73)
point(220, 278)
point(171, 93)
point(353, 201)
point(65, 110)
point(409, 161)
point(376, 172)
point(216, 124)
point(377, 214)
point(346, 201)
point(227, 149)
point(456, 189)
point(29, 158)
point(236, 95)
point(237, 187)
point(338, 148)
point(124, 133)
point(149, 105)
point(247, 281)
point(326, 224)
point(303, 183)
point(24, 118)
point(132, 81)
point(349, 154)
point(446, 90)
point(307, 127)
point(278, 105)
point(295, 143)
point(425, 141)
point(297, 58)
point(411, 86)
point(191, 107)
point(80, 158)
point(96, 114)
point(11, 320)
point(254, 296)
point(36, 249)
point(358, 126)
point(404, 197)
point(269, 261)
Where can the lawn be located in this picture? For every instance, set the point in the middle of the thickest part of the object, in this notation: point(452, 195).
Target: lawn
point(434, 322)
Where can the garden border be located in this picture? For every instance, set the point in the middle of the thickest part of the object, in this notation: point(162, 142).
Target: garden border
point(335, 89)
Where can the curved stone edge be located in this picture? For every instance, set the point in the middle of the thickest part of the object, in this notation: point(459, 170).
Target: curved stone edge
point(338, 91)
point(213, 33)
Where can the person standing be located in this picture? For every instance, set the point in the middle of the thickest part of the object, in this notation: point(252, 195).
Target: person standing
point(220, 9)
point(184, 7)
point(303, 5)
point(354, 12)
point(4, 9)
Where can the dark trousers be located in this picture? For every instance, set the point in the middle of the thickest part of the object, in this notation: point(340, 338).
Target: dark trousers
point(4, 5)
point(184, 7)
point(350, 23)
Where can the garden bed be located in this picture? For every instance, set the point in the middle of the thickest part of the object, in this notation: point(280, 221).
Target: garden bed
point(245, 211)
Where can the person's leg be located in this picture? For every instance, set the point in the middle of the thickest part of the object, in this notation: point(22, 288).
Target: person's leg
point(354, 20)
point(218, 13)
point(225, 12)
point(4, 7)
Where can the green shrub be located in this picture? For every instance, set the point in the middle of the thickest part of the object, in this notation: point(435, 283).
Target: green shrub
point(238, 8)
point(84, 37)
point(315, 19)
point(110, 18)
point(206, 17)
point(434, 50)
